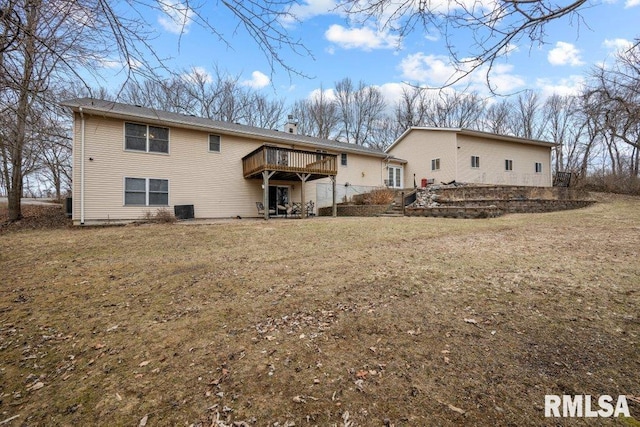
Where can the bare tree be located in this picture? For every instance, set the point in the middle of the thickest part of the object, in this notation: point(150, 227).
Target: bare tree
point(359, 107)
point(527, 117)
point(45, 42)
point(411, 109)
point(265, 113)
point(497, 117)
point(616, 89)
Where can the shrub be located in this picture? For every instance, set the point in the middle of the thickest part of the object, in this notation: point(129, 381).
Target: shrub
point(609, 183)
point(379, 196)
point(161, 216)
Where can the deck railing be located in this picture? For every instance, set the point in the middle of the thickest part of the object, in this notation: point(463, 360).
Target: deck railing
point(290, 160)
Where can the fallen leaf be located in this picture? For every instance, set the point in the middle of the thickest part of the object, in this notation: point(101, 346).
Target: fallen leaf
point(362, 374)
point(299, 399)
point(472, 321)
point(145, 363)
point(143, 421)
point(36, 386)
point(456, 409)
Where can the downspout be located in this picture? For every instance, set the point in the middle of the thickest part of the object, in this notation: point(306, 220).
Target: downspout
point(81, 168)
point(550, 181)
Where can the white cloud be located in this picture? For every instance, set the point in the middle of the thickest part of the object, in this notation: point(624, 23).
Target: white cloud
point(501, 79)
point(328, 94)
point(617, 44)
point(571, 85)
point(258, 80)
point(565, 54)
point(299, 12)
point(361, 38)
point(392, 92)
point(197, 74)
point(177, 16)
point(434, 71)
point(631, 3)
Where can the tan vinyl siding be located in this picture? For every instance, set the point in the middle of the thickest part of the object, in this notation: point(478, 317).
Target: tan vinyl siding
point(419, 147)
point(362, 173)
point(211, 181)
point(492, 162)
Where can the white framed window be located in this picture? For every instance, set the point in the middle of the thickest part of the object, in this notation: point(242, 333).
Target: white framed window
point(395, 177)
point(538, 167)
point(214, 143)
point(475, 162)
point(343, 159)
point(146, 192)
point(508, 165)
point(435, 164)
point(146, 138)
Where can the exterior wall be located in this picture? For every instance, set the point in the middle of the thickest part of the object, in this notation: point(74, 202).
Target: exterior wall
point(493, 154)
point(362, 173)
point(419, 147)
point(212, 182)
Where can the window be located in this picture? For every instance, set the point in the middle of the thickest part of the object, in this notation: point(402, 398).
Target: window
point(150, 139)
point(508, 165)
point(538, 167)
point(435, 164)
point(214, 143)
point(395, 177)
point(146, 192)
point(343, 159)
point(475, 161)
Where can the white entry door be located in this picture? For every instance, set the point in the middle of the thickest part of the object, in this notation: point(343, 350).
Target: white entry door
point(395, 177)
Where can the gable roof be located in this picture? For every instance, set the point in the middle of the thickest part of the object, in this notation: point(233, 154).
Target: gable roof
point(134, 112)
point(476, 133)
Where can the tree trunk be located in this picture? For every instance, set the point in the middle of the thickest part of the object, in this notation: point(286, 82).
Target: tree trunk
point(15, 186)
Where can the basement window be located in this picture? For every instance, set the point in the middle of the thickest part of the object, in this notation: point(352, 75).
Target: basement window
point(508, 165)
point(146, 192)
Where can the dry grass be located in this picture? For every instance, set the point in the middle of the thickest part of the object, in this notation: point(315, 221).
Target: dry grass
point(321, 322)
point(379, 196)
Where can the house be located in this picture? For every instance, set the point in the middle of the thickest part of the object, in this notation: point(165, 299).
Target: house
point(469, 156)
point(130, 160)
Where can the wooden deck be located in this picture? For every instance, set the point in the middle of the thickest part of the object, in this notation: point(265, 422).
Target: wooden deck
point(287, 163)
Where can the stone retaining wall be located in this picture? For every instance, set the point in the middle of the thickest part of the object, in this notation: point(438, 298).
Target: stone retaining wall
point(455, 212)
point(507, 192)
point(494, 208)
point(354, 210)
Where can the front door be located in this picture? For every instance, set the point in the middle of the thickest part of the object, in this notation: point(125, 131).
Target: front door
point(278, 196)
point(395, 177)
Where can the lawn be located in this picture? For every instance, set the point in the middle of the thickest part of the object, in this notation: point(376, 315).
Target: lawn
point(347, 321)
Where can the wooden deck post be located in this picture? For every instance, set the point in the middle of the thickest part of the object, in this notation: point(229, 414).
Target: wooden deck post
point(303, 178)
point(265, 192)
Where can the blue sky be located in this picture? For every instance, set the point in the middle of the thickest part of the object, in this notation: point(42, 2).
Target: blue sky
point(362, 52)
